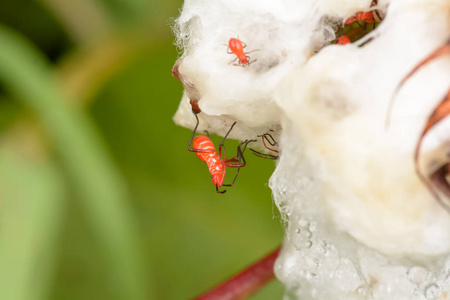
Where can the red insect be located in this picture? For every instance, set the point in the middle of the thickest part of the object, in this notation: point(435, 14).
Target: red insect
point(206, 151)
point(343, 40)
point(235, 46)
point(361, 16)
point(368, 17)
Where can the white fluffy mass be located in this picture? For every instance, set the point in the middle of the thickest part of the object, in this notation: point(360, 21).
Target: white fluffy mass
point(359, 222)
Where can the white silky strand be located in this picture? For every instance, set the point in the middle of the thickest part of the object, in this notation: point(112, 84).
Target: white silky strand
point(360, 224)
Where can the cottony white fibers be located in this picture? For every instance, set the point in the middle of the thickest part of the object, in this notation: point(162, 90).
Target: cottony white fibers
point(360, 224)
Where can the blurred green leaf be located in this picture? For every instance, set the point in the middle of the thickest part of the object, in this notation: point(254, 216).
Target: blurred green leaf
point(195, 237)
point(31, 211)
point(127, 10)
point(34, 22)
point(9, 110)
point(102, 192)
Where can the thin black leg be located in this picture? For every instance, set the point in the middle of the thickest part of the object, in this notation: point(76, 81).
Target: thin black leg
point(192, 138)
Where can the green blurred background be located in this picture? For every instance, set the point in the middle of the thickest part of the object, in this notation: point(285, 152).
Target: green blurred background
point(99, 197)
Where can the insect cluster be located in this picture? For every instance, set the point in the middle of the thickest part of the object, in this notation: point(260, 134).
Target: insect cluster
point(339, 163)
point(357, 25)
point(204, 148)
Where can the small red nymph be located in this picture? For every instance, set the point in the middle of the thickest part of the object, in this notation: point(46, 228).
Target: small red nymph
point(368, 17)
point(236, 47)
point(205, 150)
point(216, 166)
point(361, 16)
point(343, 40)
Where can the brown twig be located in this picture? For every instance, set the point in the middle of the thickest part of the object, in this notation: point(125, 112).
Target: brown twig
point(246, 282)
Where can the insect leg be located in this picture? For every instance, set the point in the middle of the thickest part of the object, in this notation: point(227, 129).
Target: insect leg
point(220, 192)
point(235, 162)
point(192, 138)
point(263, 155)
point(223, 140)
point(239, 156)
point(272, 142)
point(233, 60)
point(251, 51)
point(267, 138)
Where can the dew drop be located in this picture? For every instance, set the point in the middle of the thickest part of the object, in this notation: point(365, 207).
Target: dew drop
point(312, 262)
point(417, 275)
point(432, 291)
point(324, 247)
point(306, 234)
point(297, 230)
point(311, 276)
point(447, 266)
point(303, 223)
point(308, 244)
point(312, 226)
point(362, 291)
point(446, 280)
point(304, 273)
point(317, 262)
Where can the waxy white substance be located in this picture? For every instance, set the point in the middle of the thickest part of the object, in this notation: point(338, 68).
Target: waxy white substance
point(360, 224)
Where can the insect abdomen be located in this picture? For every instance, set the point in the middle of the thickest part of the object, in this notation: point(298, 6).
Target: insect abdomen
point(203, 142)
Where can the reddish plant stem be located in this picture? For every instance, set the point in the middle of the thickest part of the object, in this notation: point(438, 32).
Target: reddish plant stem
point(246, 282)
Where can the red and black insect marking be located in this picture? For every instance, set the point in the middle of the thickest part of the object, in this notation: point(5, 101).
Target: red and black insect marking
point(204, 148)
point(267, 138)
point(236, 47)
